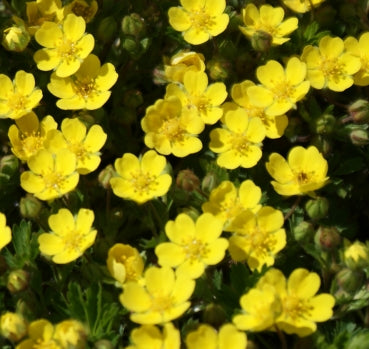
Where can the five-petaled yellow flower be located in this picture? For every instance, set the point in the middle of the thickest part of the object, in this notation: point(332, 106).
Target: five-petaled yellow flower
point(162, 297)
point(239, 142)
point(65, 45)
point(51, 175)
point(302, 6)
point(141, 179)
point(87, 89)
point(330, 65)
point(193, 245)
point(304, 171)
point(28, 135)
point(18, 97)
point(269, 20)
point(70, 235)
point(199, 20)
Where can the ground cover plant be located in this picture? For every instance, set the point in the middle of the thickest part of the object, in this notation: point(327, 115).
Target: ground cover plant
point(184, 174)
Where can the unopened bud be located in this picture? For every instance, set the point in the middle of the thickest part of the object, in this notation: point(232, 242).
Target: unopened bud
point(261, 41)
point(317, 208)
point(327, 238)
point(130, 45)
point(214, 315)
point(103, 344)
point(106, 175)
point(349, 280)
point(356, 255)
point(133, 25)
point(106, 29)
point(191, 212)
point(304, 232)
point(325, 124)
point(30, 207)
point(359, 111)
point(17, 281)
point(218, 68)
point(9, 164)
point(323, 144)
point(209, 182)
point(13, 326)
point(16, 38)
point(187, 180)
point(132, 98)
point(359, 137)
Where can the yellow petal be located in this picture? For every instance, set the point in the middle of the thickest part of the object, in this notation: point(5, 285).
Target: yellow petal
point(179, 19)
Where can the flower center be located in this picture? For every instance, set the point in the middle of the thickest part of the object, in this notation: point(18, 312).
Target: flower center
point(53, 180)
point(143, 183)
point(332, 68)
point(79, 150)
point(303, 177)
point(240, 144)
point(85, 88)
point(130, 264)
point(262, 243)
point(17, 102)
point(283, 91)
point(201, 20)
point(172, 130)
point(196, 250)
point(73, 241)
point(31, 143)
point(296, 308)
point(67, 50)
point(161, 303)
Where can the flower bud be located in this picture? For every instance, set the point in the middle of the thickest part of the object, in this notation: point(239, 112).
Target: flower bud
point(187, 180)
point(214, 315)
point(325, 124)
point(359, 137)
point(132, 98)
point(13, 326)
point(133, 25)
point(261, 41)
point(218, 68)
point(317, 208)
point(84, 9)
point(131, 46)
point(349, 280)
point(17, 280)
point(70, 334)
point(359, 111)
point(356, 255)
point(106, 175)
point(209, 182)
point(103, 344)
point(192, 212)
point(327, 238)
point(323, 144)
point(16, 38)
point(106, 29)
point(30, 206)
point(303, 232)
point(9, 164)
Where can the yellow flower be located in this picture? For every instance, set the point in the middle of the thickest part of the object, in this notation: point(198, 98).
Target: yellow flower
point(281, 88)
point(356, 255)
point(40, 333)
point(182, 62)
point(206, 337)
point(163, 297)
point(51, 175)
point(150, 336)
point(65, 46)
point(239, 141)
point(5, 232)
point(88, 88)
point(267, 19)
point(193, 245)
point(330, 65)
point(84, 145)
point(260, 305)
point(301, 307)
point(87, 10)
point(70, 334)
point(41, 11)
point(360, 48)
point(141, 179)
point(274, 124)
point(28, 136)
point(195, 95)
point(226, 202)
point(199, 20)
point(12, 326)
point(19, 97)
point(170, 129)
point(16, 38)
point(257, 237)
point(302, 6)
point(304, 171)
point(70, 237)
point(124, 263)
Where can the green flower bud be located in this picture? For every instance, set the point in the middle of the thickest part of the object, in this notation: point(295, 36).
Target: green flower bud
point(323, 144)
point(303, 232)
point(214, 315)
point(349, 280)
point(218, 68)
point(133, 98)
point(30, 207)
point(325, 124)
point(16, 38)
point(9, 164)
point(327, 238)
point(187, 180)
point(192, 212)
point(356, 256)
point(209, 182)
point(261, 41)
point(133, 25)
point(131, 46)
point(105, 176)
point(103, 344)
point(359, 111)
point(17, 280)
point(106, 29)
point(359, 137)
point(317, 208)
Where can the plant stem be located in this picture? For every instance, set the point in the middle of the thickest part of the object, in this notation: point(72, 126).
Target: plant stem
point(293, 208)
